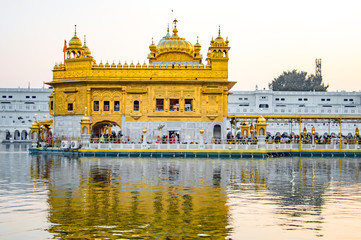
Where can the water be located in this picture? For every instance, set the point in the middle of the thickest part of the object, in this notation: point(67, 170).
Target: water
point(55, 197)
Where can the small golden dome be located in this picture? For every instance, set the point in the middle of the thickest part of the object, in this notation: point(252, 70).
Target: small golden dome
point(152, 47)
point(125, 65)
point(85, 119)
point(113, 65)
point(138, 65)
point(144, 65)
point(119, 65)
point(219, 39)
point(197, 46)
point(101, 64)
point(261, 120)
point(107, 65)
point(86, 50)
point(131, 65)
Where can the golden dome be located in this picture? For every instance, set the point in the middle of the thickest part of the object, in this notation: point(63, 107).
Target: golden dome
point(75, 42)
point(152, 46)
point(113, 65)
point(219, 39)
point(85, 119)
point(175, 43)
point(261, 120)
point(85, 48)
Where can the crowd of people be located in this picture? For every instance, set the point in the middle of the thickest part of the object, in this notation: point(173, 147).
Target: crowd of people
point(277, 138)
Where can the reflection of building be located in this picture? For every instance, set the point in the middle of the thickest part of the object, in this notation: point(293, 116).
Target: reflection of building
point(175, 90)
point(149, 199)
point(292, 103)
point(18, 107)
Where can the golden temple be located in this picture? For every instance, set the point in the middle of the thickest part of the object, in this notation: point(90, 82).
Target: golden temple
point(175, 93)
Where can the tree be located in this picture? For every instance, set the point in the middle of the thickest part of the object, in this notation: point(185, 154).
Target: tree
point(298, 81)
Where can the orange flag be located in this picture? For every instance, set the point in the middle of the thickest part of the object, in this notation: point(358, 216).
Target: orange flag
point(65, 47)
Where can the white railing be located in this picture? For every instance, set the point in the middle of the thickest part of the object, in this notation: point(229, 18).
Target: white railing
point(223, 147)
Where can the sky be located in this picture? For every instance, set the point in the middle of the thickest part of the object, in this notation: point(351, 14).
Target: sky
point(266, 37)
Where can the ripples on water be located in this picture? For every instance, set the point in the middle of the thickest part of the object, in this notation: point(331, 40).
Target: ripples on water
point(45, 197)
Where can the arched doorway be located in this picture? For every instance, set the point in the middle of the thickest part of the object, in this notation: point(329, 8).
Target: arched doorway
point(106, 129)
point(16, 135)
point(7, 135)
point(24, 135)
point(217, 132)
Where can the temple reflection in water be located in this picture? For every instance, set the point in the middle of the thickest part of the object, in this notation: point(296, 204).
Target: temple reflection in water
point(182, 198)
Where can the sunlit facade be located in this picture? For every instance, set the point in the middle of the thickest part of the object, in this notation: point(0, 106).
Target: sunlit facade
point(175, 93)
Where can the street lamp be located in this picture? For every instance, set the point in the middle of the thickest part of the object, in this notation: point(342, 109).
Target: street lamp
point(304, 131)
point(144, 132)
point(201, 132)
point(251, 130)
point(313, 134)
point(304, 134)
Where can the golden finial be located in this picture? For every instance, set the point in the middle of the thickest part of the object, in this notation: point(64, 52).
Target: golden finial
point(75, 30)
point(197, 38)
point(84, 40)
point(152, 41)
point(219, 31)
point(175, 22)
point(168, 28)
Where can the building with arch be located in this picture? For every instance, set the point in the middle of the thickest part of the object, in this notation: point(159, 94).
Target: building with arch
point(19, 107)
point(175, 93)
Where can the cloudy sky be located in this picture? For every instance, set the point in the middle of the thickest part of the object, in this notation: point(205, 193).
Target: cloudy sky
point(266, 37)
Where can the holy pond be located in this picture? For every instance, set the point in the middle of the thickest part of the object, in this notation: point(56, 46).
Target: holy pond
point(59, 197)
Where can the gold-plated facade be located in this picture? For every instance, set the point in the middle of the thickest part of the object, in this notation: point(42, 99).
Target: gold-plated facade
point(174, 87)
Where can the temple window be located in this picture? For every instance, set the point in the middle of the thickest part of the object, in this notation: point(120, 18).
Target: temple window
point(159, 104)
point(116, 106)
point(51, 105)
point(70, 107)
point(174, 105)
point(136, 105)
point(188, 105)
point(106, 105)
point(96, 106)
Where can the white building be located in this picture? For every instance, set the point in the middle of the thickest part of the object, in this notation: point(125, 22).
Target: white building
point(292, 103)
point(18, 107)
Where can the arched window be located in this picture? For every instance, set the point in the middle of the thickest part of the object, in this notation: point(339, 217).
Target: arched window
point(85, 130)
point(261, 132)
point(136, 105)
point(217, 131)
point(224, 54)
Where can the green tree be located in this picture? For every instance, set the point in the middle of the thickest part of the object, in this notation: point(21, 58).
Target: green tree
point(298, 81)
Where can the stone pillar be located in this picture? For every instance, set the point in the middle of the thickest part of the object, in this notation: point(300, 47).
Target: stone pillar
point(85, 141)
